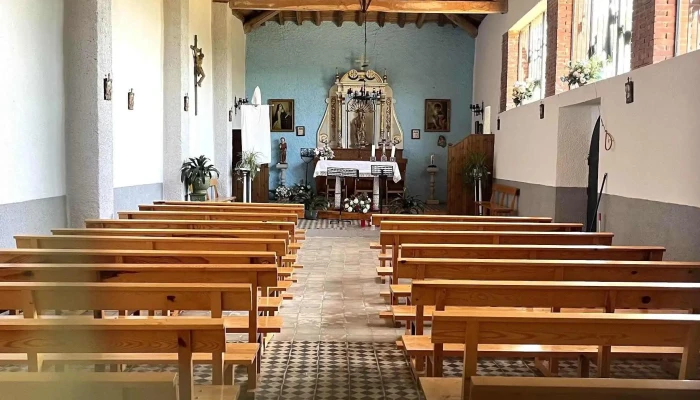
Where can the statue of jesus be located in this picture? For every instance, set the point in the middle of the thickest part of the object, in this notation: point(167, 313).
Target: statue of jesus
point(359, 123)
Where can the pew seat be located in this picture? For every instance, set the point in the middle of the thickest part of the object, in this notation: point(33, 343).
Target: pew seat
point(266, 304)
point(375, 246)
point(285, 271)
point(385, 271)
point(526, 388)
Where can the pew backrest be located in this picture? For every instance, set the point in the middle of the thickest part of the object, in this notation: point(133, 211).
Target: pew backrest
point(233, 204)
point(397, 238)
point(185, 224)
point(552, 252)
point(378, 218)
point(479, 226)
point(216, 208)
point(208, 216)
point(89, 256)
point(218, 233)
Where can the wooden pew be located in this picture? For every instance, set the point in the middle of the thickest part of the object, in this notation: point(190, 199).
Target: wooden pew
point(231, 204)
point(183, 336)
point(90, 385)
point(215, 233)
point(207, 216)
point(209, 207)
point(83, 256)
point(277, 246)
point(436, 295)
point(479, 226)
point(378, 218)
point(475, 328)
point(398, 238)
point(35, 297)
point(534, 388)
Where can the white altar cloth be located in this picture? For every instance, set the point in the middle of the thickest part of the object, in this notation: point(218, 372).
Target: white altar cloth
point(365, 170)
point(364, 167)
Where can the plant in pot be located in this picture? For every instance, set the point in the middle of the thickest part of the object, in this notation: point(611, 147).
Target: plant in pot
point(476, 171)
point(313, 205)
point(406, 204)
point(249, 162)
point(197, 172)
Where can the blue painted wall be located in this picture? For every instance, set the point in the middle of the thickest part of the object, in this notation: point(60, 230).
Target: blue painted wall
point(299, 62)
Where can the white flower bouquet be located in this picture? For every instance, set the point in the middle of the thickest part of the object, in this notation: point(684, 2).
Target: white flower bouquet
point(522, 90)
point(583, 72)
point(359, 203)
point(283, 192)
point(325, 153)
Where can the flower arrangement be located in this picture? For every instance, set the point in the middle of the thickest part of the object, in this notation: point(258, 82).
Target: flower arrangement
point(583, 72)
point(325, 153)
point(358, 203)
point(282, 193)
point(522, 90)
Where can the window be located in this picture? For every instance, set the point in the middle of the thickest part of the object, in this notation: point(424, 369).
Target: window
point(532, 52)
point(688, 23)
point(603, 28)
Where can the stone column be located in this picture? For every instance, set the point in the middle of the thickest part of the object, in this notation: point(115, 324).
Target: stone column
point(176, 74)
point(88, 117)
point(222, 70)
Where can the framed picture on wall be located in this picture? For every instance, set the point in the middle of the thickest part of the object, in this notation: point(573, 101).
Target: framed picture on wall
point(415, 133)
point(301, 131)
point(281, 115)
point(437, 115)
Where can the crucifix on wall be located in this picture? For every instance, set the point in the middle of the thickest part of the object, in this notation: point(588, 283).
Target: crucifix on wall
point(198, 57)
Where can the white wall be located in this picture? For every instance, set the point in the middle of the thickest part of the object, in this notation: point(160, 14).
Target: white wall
point(238, 63)
point(201, 126)
point(31, 105)
point(137, 62)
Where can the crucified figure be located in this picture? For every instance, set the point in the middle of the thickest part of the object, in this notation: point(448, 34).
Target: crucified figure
point(198, 55)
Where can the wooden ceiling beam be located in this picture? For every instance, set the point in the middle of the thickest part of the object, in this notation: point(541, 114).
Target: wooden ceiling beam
point(401, 21)
point(381, 18)
point(338, 18)
point(280, 18)
point(317, 17)
point(255, 21)
point(463, 23)
point(398, 6)
point(359, 18)
point(420, 20)
point(299, 18)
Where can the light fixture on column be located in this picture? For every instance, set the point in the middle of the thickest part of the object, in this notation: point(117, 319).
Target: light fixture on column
point(108, 87)
point(186, 100)
point(130, 99)
point(477, 109)
point(238, 102)
point(541, 110)
point(629, 91)
point(498, 123)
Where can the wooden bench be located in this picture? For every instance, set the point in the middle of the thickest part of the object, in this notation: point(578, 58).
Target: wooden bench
point(35, 297)
point(234, 205)
point(479, 226)
point(217, 208)
point(183, 336)
point(90, 385)
point(474, 328)
point(378, 218)
point(534, 388)
point(135, 256)
point(207, 216)
point(430, 296)
point(504, 200)
point(216, 233)
point(398, 238)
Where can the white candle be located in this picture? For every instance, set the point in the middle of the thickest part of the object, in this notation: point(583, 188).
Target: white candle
point(393, 151)
point(487, 120)
point(373, 153)
point(432, 159)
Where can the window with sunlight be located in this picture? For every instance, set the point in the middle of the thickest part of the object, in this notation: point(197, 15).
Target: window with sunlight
point(532, 52)
point(688, 26)
point(603, 28)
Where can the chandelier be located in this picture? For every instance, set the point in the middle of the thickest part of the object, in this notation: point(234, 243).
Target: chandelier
point(363, 99)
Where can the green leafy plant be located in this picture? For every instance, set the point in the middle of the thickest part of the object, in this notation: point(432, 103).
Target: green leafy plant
point(197, 170)
point(316, 203)
point(249, 161)
point(406, 204)
point(475, 167)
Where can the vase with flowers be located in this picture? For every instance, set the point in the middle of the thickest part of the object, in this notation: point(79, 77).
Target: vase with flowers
point(522, 90)
point(324, 153)
point(583, 72)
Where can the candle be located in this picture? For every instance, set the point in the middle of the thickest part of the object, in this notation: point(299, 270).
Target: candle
point(487, 120)
point(393, 151)
point(373, 153)
point(432, 159)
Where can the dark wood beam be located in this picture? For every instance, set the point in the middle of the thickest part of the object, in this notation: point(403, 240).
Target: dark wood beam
point(338, 18)
point(463, 23)
point(317, 17)
point(238, 14)
point(280, 18)
point(381, 18)
point(258, 19)
point(398, 6)
point(401, 21)
point(441, 20)
point(360, 18)
point(420, 20)
point(299, 18)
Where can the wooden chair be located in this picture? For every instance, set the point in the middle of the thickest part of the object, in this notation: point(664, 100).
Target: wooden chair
point(213, 187)
point(503, 201)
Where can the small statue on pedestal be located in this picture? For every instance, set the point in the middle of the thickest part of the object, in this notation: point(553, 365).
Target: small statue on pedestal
point(360, 133)
point(283, 151)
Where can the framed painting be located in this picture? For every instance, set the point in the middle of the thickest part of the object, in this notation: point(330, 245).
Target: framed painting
point(301, 131)
point(281, 115)
point(415, 133)
point(437, 115)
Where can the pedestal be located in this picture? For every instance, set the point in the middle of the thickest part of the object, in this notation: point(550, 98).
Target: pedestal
point(283, 173)
point(338, 193)
point(375, 194)
point(432, 170)
point(198, 196)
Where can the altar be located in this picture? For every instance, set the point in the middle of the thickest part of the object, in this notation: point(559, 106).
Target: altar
point(365, 171)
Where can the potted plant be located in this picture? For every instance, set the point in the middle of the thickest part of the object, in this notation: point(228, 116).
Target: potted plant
point(313, 205)
point(197, 172)
point(249, 161)
point(475, 171)
point(406, 204)
point(523, 91)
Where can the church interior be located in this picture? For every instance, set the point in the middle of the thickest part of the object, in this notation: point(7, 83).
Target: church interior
point(350, 199)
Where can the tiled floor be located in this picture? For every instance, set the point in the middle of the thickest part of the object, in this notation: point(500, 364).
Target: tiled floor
point(335, 346)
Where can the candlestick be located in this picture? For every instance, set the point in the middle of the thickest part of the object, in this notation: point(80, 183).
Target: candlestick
point(393, 151)
point(432, 159)
point(373, 149)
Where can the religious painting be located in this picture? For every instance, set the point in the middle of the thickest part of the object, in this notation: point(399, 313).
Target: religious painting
point(437, 115)
point(415, 133)
point(301, 131)
point(281, 115)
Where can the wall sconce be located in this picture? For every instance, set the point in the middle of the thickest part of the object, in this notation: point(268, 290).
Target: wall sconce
point(541, 110)
point(498, 123)
point(130, 99)
point(187, 102)
point(477, 109)
point(237, 103)
point(230, 115)
point(629, 91)
point(108, 87)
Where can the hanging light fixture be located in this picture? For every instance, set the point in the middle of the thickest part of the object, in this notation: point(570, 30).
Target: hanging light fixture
point(363, 99)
